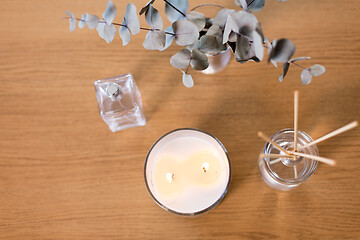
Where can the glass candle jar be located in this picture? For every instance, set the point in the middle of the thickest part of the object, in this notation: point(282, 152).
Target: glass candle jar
point(187, 171)
point(287, 173)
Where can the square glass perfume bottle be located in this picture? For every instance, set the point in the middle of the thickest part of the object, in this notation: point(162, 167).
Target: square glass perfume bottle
point(119, 102)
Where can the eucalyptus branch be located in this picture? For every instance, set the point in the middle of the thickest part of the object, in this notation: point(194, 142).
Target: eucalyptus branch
point(175, 8)
point(122, 25)
point(202, 37)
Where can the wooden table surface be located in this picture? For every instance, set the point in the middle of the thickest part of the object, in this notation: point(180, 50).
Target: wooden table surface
point(64, 175)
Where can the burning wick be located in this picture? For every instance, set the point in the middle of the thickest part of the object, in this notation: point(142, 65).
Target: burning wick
point(170, 177)
point(205, 166)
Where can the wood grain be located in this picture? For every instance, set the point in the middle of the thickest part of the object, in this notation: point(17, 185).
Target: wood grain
point(64, 175)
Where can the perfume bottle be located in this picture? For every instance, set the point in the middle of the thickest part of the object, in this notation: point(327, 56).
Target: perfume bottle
point(119, 102)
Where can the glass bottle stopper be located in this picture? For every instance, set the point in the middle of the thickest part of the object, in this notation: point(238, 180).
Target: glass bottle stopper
point(113, 91)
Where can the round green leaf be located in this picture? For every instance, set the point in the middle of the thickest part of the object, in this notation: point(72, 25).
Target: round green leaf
point(155, 40)
point(131, 19)
point(153, 18)
point(125, 35)
point(282, 51)
point(199, 61)
point(106, 32)
point(197, 18)
point(82, 22)
point(306, 77)
point(181, 59)
point(317, 70)
point(110, 12)
point(187, 80)
point(172, 14)
point(92, 21)
point(185, 32)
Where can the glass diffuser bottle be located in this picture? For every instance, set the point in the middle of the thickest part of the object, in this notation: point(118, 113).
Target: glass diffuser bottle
point(286, 173)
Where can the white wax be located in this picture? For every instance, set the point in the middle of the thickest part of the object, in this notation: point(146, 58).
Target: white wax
point(181, 145)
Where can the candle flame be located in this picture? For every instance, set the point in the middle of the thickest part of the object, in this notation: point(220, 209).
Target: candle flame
point(205, 166)
point(170, 177)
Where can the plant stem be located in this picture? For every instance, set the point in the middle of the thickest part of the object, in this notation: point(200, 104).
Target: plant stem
point(250, 3)
point(175, 8)
point(299, 66)
point(122, 25)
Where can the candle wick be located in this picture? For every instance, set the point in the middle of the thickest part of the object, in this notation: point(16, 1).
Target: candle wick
point(170, 177)
point(205, 166)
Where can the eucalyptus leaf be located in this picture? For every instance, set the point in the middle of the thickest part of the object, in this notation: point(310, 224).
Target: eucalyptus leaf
point(249, 57)
point(254, 5)
point(306, 77)
point(299, 59)
point(187, 80)
point(244, 19)
point(199, 60)
point(285, 69)
point(259, 30)
point(233, 36)
point(181, 59)
point(317, 70)
point(155, 40)
point(169, 37)
point(241, 3)
point(197, 18)
point(131, 19)
point(144, 9)
point(216, 31)
point(125, 35)
point(258, 45)
point(208, 44)
point(110, 12)
point(242, 46)
point(153, 18)
point(193, 45)
point(239, 22)
point(270, 47)
point(185, 32)
point(281, 77)
point(172, 14)
point(282, 51)
point(221, 17)
point(92, 21)
point(106, 32)
point(82, 22)
point(229, 26)
point(72, 21)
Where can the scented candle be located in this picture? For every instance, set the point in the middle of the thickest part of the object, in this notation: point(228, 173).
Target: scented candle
point(187, 171)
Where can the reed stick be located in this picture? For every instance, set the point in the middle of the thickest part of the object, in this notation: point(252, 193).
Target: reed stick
point(316, 158)
point(275, 161)
point(267, 139)
point(295, 172)
point(332, 134)
point(272, 155)
point(296, 110)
